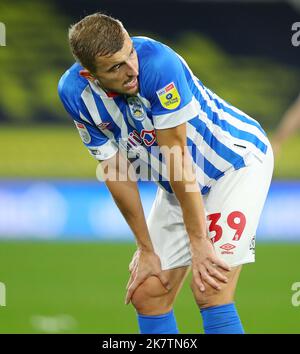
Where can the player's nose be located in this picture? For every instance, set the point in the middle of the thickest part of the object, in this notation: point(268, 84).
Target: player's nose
point(132, 68)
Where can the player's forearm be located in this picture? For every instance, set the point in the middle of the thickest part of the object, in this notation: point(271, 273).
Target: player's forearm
point(126, 196)
point(183, 179)
point(290, 123)
point(189, 196)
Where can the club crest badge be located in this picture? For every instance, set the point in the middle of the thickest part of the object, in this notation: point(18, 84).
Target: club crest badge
point(169, 96)
point(83, 132)
point(137, 110)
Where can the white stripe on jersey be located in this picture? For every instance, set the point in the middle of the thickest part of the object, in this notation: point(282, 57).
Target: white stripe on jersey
point(226, 138)
point(228, 117)
point(233, 108)
point(201, 144)
point(223, 135)
point(83, 117)
point(184, 114)
point(207, 99)
point(117, 116)
point(91, 106)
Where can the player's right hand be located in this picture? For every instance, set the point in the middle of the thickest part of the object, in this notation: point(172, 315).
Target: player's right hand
point(133, 263)
point(143, 265)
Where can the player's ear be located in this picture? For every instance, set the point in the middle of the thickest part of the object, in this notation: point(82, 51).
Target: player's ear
point(87, 75)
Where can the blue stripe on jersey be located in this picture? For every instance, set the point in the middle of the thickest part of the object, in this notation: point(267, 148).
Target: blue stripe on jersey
point(104, 113)
point(222, 150)
point(157, 177)
point(233, 131)
point(223, 124)
point(86, 113)
point(210, 170)
point(205, 190)
point(233, 113)
point(155, 151)
point(166, 185)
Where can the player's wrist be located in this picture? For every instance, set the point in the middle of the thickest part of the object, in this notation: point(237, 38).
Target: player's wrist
point(196, 242)
point(145, 247)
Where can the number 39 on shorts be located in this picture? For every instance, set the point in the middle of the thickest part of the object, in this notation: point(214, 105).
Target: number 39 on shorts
point(236, 220)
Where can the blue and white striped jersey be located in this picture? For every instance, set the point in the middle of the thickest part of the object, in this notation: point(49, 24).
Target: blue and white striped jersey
point(219, 136)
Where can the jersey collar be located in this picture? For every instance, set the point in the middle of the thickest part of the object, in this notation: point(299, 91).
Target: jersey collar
point(96, 88)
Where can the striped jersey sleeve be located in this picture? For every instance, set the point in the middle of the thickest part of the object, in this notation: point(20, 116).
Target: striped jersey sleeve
point(166, 88)
point(98, 144)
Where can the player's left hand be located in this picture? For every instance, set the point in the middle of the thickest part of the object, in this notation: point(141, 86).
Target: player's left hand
point(206, 265)
point(143, 265)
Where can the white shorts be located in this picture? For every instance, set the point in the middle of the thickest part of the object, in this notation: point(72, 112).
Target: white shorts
point(233, 207)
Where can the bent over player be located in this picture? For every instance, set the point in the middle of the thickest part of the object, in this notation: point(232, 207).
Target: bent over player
point(130, 95)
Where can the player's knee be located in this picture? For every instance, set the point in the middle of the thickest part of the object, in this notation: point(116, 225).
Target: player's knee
point(151, 297)
point(211, 297)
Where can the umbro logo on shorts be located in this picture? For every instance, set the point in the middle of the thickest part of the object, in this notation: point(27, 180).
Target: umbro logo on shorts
point(227, 247)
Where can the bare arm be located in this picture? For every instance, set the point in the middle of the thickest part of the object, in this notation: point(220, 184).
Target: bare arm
point(188, 194)
point(123, 188)
point(289, 124)
point(125, 193)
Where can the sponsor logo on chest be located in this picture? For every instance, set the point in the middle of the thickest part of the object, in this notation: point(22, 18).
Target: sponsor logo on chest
point(146, 137)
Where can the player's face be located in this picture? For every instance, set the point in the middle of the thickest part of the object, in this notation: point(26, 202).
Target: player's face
point(119, 72)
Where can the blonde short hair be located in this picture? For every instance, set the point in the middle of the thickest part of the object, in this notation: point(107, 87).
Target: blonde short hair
point(95, 35)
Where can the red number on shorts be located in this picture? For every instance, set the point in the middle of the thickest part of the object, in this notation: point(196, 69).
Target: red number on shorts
point(239, 226)
point(214, 227)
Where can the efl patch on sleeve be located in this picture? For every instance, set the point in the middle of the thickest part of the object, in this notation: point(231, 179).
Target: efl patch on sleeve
point(169, 96)
point(83, 132)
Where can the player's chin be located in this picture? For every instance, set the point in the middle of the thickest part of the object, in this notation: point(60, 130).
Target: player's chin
point(131, 88)
point(132, 92)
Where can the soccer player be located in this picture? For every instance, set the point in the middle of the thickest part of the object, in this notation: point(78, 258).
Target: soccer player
point(135, 99)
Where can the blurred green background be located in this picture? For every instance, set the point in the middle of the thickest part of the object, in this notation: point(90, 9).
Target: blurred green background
point(80, 288)
point(61, 287)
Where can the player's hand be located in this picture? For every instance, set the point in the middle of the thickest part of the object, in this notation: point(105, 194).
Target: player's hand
point(206, 265)
point(143, 265)
point(134, 261)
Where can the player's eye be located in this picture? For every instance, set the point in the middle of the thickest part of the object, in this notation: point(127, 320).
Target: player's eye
point(116, 67)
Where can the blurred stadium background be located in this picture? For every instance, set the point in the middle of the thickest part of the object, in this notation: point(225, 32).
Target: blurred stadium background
point(64, 248)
